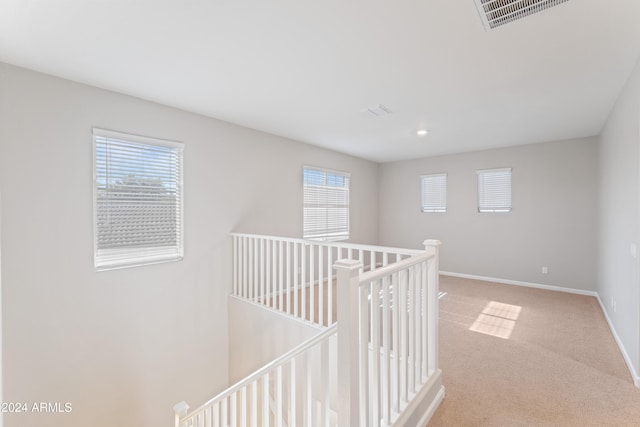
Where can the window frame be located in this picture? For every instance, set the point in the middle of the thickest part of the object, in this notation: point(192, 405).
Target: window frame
point(123, 257)
point(483, 206)
point(423, 179)
point(326, 236)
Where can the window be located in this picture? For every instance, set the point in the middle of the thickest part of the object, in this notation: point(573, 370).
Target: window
point(137, 200)
point(326, 204)
point(434, 192)
point(494, 190)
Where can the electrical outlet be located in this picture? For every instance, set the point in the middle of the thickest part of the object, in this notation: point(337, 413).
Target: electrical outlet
point(545, 270)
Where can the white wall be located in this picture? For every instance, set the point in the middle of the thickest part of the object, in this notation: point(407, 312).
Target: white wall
point(1, 372)
point(258, 335)
point(123, 346)
point(619, 218)
point(552, 223)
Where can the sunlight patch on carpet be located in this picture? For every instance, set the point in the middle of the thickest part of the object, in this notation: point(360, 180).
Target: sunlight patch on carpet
point(497, 319)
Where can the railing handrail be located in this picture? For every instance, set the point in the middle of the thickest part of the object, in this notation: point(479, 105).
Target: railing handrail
point(371, 276)
point(337, 244)
point(275, 363)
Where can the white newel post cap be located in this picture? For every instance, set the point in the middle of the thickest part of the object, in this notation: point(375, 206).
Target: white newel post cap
point(432, 243)
point(347, 264)
point(181, 408)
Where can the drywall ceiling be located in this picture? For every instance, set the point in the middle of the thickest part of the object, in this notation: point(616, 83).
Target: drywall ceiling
point(308, 69)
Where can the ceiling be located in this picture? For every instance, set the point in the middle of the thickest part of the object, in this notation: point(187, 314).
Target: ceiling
point(308, 70)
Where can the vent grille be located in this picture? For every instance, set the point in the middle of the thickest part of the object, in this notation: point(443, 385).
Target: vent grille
point(495, 13)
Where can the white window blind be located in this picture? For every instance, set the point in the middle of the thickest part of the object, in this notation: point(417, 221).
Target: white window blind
point(494, 190)
point(434, 192)
point(137, 200)
point(326, 204)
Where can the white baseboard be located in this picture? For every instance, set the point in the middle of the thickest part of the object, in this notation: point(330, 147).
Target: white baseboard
point(623, 350)
point(520, 283)
point(432, 408)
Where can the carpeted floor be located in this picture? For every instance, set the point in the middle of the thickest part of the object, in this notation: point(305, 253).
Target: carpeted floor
point(515, 356)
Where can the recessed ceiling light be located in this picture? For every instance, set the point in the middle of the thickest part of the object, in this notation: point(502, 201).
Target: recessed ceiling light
point(422, 132)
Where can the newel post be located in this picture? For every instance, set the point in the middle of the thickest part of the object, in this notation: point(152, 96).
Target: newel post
point(181, 410)
point(348, 342)
point(433, 289)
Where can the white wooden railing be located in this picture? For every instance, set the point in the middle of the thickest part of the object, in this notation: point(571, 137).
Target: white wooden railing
point(296, 276)
point(293, 389)
point(381, 370)
point(389, 323)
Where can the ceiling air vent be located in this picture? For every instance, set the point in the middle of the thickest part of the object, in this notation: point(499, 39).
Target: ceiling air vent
point(499, 12)
point(379, 110)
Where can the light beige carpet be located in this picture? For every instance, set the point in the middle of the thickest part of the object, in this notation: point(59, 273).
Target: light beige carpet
point(515, 356)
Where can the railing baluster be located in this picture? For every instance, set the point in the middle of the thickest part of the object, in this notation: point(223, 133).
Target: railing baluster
point(320, 286)
point(267, 274)
point(215, 416)
point(364, 355)
point(402, 311)
point(375, 352)
point(244, 267)
point(253, 404)
point(417, 299)
point(296, 277)
point(243, 406)
point(223, 415)
point(280, 276)
point(395, 378)
point(234, 410)
point(278, 396)
point(250, 269)
point(234, 244)
point(303, 279)
point(289, 292)
point(386, 354)
point(312, 286)
point(372, 260)
point(265, 400)
point(254, 270)
point(308, 397)
point(274, 272)
point(262, 281)
point(330, 303)
point(325, 383)
point(425, 313)
point(292, 393)
point(411, 330)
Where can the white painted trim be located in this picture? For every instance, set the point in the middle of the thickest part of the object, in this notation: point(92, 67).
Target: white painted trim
point(432, 390)
point(136, 138)
point(520, 283)
point(432, 407)
point(634, 375)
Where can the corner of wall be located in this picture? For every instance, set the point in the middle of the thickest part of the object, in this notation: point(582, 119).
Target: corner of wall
point(634, 374)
